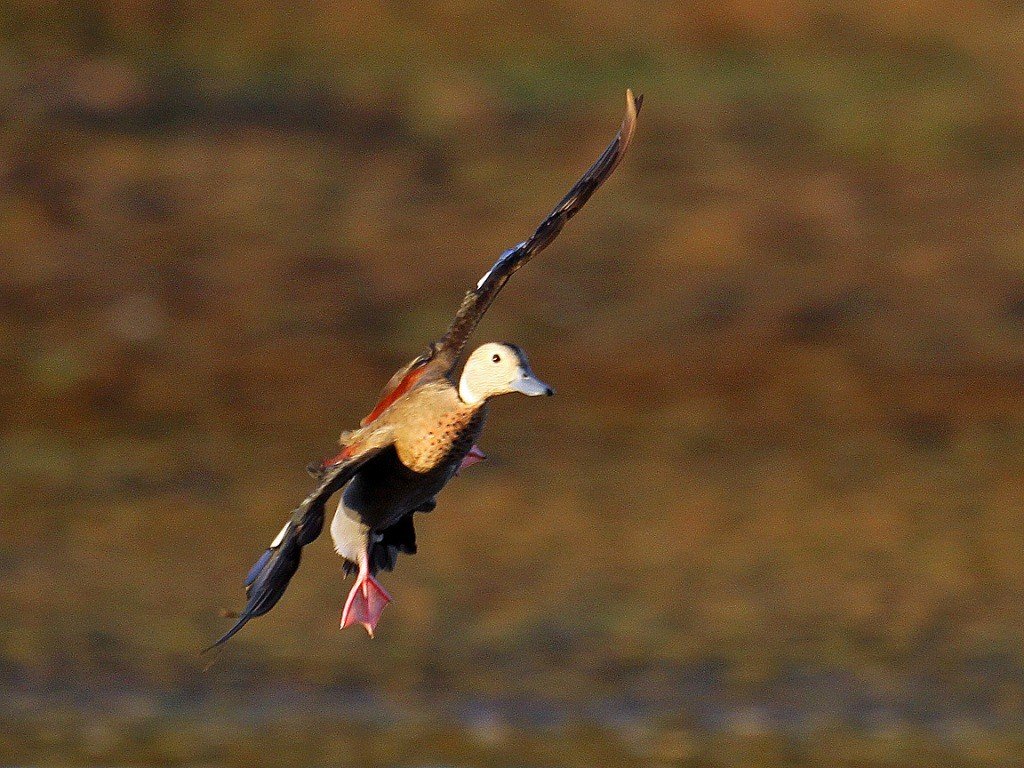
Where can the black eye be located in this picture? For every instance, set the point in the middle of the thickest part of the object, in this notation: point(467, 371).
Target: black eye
point(496, 359)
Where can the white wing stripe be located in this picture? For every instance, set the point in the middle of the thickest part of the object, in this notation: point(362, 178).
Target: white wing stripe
point(280, 536)
point(501, 260)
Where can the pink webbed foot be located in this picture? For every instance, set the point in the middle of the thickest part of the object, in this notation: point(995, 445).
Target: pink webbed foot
point(475, 456)
point(365, 603)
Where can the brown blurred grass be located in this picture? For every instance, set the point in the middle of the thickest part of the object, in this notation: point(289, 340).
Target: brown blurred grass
point(786, 338)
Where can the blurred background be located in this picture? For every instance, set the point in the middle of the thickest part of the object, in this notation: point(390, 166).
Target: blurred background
point(775, 515)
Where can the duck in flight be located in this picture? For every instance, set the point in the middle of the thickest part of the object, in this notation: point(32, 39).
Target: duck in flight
point(421, 432)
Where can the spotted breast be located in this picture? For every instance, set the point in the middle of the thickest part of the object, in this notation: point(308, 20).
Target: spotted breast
point(443, 441)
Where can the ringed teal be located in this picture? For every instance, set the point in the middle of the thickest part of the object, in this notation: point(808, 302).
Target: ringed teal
point(421, 432)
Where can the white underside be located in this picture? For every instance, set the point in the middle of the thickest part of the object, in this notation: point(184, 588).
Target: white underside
point(350, 535)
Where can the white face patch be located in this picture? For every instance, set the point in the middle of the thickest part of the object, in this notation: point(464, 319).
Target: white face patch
point(466, 394)
point(491, 370)
point(280, 537)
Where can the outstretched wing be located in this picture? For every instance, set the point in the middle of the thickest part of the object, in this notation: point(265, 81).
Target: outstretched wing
point(476, 302)
point(269, 576)
point(442, 355)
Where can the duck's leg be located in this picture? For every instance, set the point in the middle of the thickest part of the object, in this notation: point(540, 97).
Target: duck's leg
point(366, 601)
point(475, 456)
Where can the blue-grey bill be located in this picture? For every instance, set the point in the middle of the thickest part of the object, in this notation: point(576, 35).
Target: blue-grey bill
point(530, 385)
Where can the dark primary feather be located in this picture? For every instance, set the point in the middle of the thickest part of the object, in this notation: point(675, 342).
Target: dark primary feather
point(268, 578)
point(476, 302)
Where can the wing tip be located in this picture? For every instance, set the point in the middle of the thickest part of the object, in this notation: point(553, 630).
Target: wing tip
point(633, 105)
point(243, 619)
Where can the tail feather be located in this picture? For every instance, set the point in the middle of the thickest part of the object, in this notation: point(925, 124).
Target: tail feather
point(398, 539)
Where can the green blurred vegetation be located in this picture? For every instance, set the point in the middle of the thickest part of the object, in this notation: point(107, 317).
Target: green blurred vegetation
point(774, 516)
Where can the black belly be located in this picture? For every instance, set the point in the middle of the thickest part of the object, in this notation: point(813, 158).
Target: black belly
point(385, 490)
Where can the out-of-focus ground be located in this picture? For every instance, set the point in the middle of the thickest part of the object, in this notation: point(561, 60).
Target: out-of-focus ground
point(775, 515)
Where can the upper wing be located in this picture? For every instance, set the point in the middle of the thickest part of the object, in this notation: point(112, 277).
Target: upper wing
point(443, 354)
point(476, 302)
point(269, 577)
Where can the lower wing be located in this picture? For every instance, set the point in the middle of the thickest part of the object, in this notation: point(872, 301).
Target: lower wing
point(269, 576)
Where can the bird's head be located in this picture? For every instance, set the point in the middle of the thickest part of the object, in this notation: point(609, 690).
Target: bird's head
point(497, 368)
